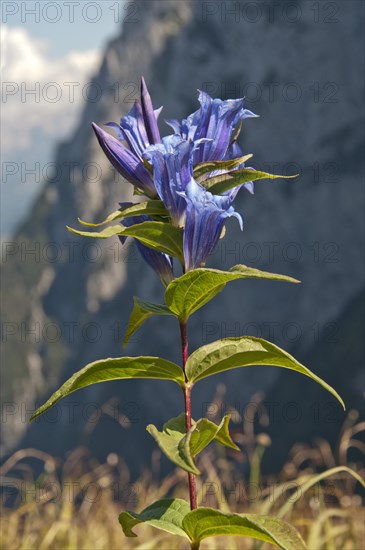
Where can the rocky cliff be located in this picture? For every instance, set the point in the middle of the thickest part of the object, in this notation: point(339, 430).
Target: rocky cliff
point(296, 64)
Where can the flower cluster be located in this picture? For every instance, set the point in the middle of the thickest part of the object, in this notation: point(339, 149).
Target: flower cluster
point(205, 143)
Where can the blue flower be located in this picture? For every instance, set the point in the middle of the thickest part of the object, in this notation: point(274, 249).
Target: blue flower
point(190, 205)
point(150, 116)
point(125, 162)
point(206, 215)
point(214, 121)
point(138, 129)
point(161, 263)
point(172, 163)
point(165, 168)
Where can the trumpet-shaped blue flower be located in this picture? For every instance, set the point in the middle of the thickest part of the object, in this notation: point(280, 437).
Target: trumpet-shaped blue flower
point(206, 215)
point(161, 263)
point(190, 205)
point(125, 161)
point(138, 129)
point(172, 162)
point(214, 121)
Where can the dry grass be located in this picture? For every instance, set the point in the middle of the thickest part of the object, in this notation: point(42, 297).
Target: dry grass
point(75, 505)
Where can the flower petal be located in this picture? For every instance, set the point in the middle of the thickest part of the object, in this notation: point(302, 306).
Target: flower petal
point(205, 217)
point(149, 116)
point(175, 125)
point(124, 161)
point(134, 131)
point(172, 171)
point(214, 120)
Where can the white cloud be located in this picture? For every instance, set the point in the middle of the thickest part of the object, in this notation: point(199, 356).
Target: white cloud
point(32, 124)
point(53, 109)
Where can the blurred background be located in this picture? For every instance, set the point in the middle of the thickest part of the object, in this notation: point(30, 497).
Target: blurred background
point(66, 301)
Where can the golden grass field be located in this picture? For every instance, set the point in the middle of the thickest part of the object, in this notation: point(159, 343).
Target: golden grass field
point(75, 504)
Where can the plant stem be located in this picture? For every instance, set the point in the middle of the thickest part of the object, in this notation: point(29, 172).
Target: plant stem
point(187, 399)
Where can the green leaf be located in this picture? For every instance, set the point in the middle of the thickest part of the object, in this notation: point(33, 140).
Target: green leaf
point(200, 435)
point(156, 235)
point(174, 516)
point(181, 447)
point(169, 441)
point(195, 288)
point(148, 208)
point(104, 234)
point(166, 514)
point(225, 182)
point(139, 192)
point(244, 351)
point(204, 168)
point(203, 523)
point(204, 431)
point(115, 369)
point(140, 313)
point(223, 436)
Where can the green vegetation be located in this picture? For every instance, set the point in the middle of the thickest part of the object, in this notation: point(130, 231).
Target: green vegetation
point(73, 505)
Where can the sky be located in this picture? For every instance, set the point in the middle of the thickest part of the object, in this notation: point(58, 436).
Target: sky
point(46, 47)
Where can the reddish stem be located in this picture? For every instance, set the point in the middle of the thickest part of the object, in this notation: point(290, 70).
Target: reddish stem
point(184, 343)
point(187, 391)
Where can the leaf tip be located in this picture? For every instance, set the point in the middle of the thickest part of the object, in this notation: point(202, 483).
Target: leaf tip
point(338, 397)
point(84, 223)
point(126, 529)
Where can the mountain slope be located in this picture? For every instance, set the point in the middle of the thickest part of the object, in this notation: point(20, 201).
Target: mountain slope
point(311, 229)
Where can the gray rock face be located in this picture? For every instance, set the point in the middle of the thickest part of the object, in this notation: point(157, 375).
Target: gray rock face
point(297, 68)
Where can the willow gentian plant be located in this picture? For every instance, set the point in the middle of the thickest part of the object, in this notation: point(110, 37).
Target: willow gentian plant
point(186, 184)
